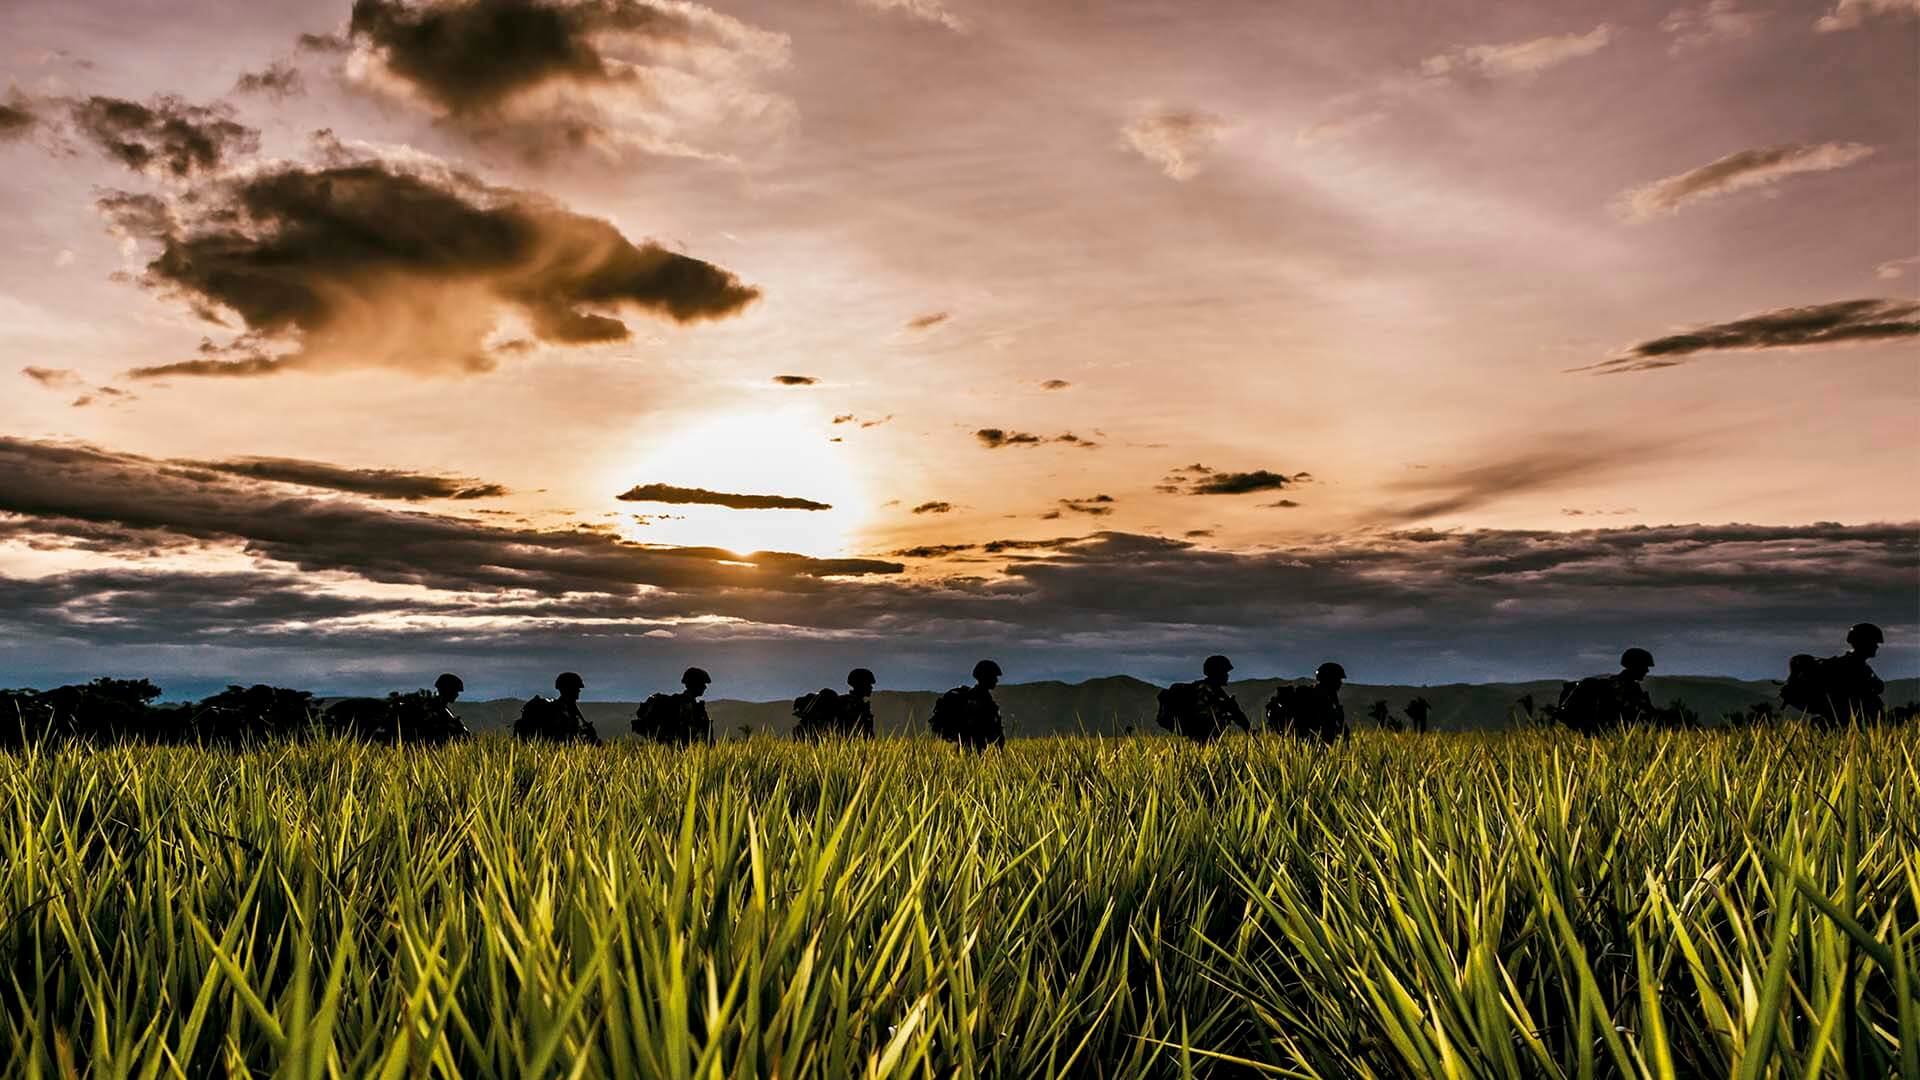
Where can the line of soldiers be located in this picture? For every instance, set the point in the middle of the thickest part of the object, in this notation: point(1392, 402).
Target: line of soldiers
point(1831, 691)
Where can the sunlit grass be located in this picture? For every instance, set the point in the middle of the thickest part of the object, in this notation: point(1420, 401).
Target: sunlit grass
point(1688, 904)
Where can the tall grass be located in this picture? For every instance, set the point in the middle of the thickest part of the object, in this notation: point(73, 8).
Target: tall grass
point(1693, 904)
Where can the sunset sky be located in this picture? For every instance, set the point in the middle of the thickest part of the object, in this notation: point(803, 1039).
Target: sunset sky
point(344, 343)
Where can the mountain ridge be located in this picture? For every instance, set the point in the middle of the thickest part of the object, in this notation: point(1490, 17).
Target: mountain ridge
point(1122, 704)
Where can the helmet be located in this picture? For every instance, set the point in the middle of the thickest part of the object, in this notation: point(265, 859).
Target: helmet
point(1636, 658)
point(449, 682)
point(1330, 670)
point(569, 679)
point(861, 677)
point(985, 668)
point(695, 675)
point(1216, 665)
point(1865, 633)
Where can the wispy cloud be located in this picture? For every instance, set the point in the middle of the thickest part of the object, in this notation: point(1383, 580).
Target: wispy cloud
point(1518, 59)
point(1179, 140)
point(1843, 322)
point(1850, 14)
point(928, 321)
point(376, 483)
point(1740, 171)
point(932, 11)
point(1690, 28)
point(795, 380)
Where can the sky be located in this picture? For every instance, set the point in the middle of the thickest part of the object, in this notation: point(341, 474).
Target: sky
point(342, 343)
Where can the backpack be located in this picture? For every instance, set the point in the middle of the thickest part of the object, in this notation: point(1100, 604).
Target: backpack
point(1176, 703)
point(655, 718)
point(535, 719)
point(818, 712)
point(1806, 685)
point(950, 714)
point(1289, 713)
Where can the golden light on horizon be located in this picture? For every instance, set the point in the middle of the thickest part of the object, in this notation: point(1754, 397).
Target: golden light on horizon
point(783, 452)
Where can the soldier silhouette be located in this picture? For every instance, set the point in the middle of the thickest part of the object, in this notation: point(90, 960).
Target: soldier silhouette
point(558, 719)
point(1311, 712)
point(677, 719)
point(1417, 711)
point(969, 715)
point(1599, 702)
point(1839, 689)
point(826, 712)
point(1202, 710)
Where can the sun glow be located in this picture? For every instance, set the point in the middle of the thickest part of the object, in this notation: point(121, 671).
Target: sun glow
point(779, 452)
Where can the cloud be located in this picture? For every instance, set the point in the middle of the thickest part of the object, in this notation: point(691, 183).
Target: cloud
point(795, 380)
point(379, 265)
point(932, 11)
point(1843, 322)
point(1339, 127)
point(997, 438)
point(1408, 605)
point(1283, 504)
point(1517, 59)
point(164, 136)
point(1179, 140)
point(1717, 20)
point(1055, 384)
point(929, 320)
point(52, 378)
point(1740, 171)
point(111, 395)
point(1850, 14)
point(375, 483)
point(131, 504)
point(17, 117)
point(1894, 268)
point(935, 507)
point(1093, 506)
point(1241, 483)
point(615, 76)
point(279, 80)
point(667, 493)
point(1435, 493)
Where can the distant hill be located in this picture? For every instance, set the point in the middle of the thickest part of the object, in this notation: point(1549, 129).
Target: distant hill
point(1117, 703)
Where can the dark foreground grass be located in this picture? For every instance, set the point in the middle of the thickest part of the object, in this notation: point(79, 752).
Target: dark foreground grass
point(1695, 904)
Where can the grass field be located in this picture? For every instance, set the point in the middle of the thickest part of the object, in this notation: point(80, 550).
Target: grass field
point(1694, 904)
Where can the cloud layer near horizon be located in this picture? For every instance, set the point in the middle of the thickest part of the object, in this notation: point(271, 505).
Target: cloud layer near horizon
point(1406, 600)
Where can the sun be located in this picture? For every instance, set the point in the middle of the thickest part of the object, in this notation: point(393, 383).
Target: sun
point(777, 452)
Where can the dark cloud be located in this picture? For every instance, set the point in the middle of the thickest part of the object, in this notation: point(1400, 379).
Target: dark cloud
point(1586, 456)
point(1241, 483)
point(795, 380)
point(58, 487)
point(165, 135)
point(52, 378)
point(1197, 534)
point(1093, 506)
point(1055, 384)
point(17, 118)
point(933, 508)
point(997, 438)
point(554, 77)
point(667, 493)
point(278, 80)
point(1407, 606)
point(375, 483)
point(111, 395)
point(929, 320)
point(376, 264)
point(1283, 504)
point(1844, 322)
point(321, 43)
